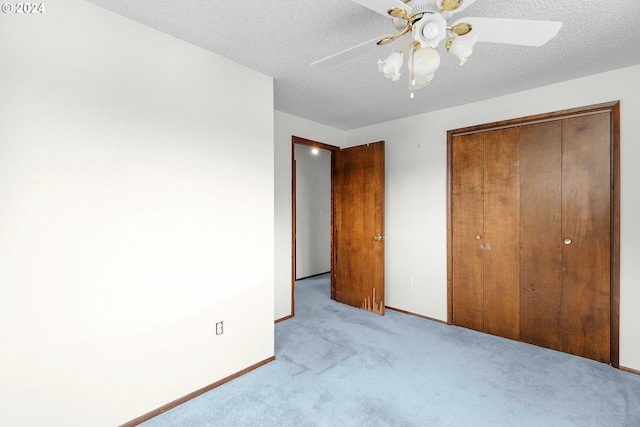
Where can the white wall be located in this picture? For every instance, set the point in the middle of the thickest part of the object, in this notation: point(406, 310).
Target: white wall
point(286, 126)
point(133, 196)
point(416, 191)
point(313, 211)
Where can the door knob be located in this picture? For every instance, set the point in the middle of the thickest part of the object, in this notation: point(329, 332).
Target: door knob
point(478, 237)
point(567, 241)
point(378, 238)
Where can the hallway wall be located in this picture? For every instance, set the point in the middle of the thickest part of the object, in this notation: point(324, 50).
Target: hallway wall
point(313, 211)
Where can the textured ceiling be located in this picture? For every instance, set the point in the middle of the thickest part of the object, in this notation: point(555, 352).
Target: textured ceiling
point(281, 38)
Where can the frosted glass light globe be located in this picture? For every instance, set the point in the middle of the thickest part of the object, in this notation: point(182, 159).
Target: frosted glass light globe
point(462, 47)
point(424, 62)
point(390, 67)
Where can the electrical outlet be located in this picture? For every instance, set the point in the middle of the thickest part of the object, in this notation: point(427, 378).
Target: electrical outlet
point(409, 280)
point(220, 328)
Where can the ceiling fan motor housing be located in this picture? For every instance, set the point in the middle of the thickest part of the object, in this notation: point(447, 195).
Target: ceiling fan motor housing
point(424, 6)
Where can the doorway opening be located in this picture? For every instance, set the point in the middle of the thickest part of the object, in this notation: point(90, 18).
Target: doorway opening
point(312, 211)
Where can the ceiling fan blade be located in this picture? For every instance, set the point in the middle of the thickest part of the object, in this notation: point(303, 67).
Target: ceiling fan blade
point(383, 6)
point(512, 31)
point(336, 58)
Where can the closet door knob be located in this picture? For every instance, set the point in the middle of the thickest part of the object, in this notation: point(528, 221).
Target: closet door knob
point(567, 241)
point(478, 237)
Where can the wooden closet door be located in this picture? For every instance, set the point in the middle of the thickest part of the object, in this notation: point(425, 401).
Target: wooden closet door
point(467, 226)
point(501, 233)
point(541, 234)
point(551, 184)
point(586, 226)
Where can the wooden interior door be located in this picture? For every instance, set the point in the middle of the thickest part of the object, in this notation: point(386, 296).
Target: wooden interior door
point(358, 185)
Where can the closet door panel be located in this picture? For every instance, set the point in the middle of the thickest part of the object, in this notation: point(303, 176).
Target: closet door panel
point(466, 225)
point(586, 209)
point(541, 234)
point(501, 235)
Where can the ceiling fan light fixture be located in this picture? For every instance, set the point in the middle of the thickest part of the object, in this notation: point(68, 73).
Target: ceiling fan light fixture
point(390, 67)
point(430, 30)
point(424, 62)
point(461, 47)
point(426, 22)
point(400, 24)
point(422, 81)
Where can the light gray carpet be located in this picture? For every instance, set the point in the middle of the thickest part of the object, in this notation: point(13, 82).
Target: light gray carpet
point(338, 366)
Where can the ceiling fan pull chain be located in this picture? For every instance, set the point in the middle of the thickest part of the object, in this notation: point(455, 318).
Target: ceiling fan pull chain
point(411, 75)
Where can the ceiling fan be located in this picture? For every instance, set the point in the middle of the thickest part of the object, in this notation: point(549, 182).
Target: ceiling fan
point(429, 23)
